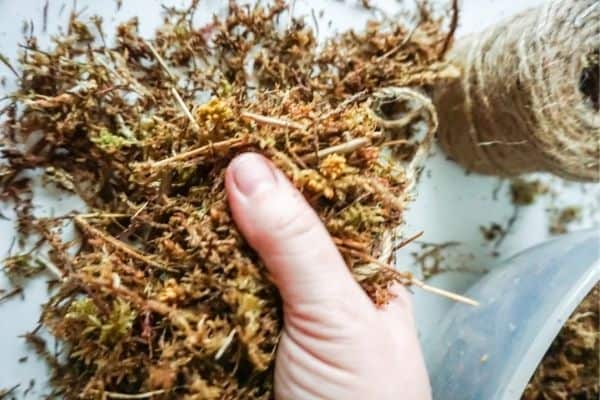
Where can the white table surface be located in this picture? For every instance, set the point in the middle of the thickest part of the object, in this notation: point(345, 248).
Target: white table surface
point(449, 206)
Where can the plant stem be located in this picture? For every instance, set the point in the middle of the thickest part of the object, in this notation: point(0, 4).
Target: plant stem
point(343, 148)
point(445, 293)
point(273, 121)
point(187, 112)
point(125, 248)
point(406, 278)
point(174, 91)
point(114, 395)
point(225, 144)
point(407, 241)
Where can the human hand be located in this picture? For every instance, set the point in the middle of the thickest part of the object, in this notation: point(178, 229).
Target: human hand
point(335, 343)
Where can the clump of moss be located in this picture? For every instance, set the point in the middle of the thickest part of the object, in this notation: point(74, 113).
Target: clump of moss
point(492, 232)
point(560, 219)
point(163, 297)
point(525, 193)
point(22, 266)
point(570, 368)
point(110, 142)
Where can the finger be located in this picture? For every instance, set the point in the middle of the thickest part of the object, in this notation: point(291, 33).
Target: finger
point(400, 309)
point(288, 235)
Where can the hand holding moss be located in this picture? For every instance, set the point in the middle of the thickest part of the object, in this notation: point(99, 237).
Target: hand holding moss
point(335, 343)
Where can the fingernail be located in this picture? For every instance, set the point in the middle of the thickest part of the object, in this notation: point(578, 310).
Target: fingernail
point(252, 173)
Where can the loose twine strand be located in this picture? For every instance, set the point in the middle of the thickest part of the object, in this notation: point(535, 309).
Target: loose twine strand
point(520, 105)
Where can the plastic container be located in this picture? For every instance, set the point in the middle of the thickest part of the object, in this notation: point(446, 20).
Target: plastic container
point(490, 352)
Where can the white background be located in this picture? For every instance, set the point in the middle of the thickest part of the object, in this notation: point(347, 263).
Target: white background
point(449, 206)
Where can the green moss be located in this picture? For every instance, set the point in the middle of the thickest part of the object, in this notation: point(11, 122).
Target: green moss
point(110, 329)
point(361, 217)
point(110, 142)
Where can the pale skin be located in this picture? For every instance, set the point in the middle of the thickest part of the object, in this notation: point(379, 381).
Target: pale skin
point(335, 343)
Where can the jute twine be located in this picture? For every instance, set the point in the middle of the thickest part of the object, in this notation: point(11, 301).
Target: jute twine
point(528, 97)
point(409, 120)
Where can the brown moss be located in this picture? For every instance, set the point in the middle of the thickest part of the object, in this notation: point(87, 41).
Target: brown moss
point(164, 294)
point(570, 368)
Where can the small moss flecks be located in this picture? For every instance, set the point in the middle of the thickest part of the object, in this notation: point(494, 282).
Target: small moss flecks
point(560, 219)
point(524, 193)
point(492, 232)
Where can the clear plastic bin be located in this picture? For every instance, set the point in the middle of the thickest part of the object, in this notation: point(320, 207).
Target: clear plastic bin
point(490, 352)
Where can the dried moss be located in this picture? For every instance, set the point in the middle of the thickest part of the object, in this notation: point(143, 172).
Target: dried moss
point(560, 219)
point(492, 232)
point(164, 297)
point(570, 368)
point(524, 193)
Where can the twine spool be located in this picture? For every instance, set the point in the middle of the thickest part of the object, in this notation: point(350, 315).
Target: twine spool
point(528, 97)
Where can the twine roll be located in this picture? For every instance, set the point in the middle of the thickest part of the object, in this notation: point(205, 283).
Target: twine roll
point(528, 97)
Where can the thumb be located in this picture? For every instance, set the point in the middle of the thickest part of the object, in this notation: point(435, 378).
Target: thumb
point(287, 234)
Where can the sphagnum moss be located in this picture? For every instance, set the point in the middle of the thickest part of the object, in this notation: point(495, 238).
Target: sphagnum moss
point(570, 367)
point(163, 298)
